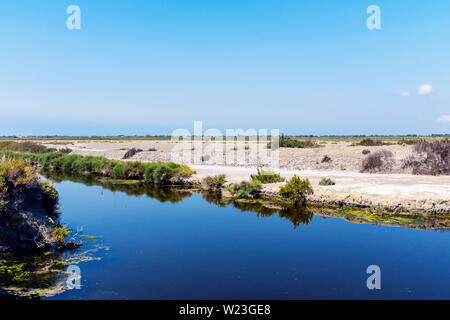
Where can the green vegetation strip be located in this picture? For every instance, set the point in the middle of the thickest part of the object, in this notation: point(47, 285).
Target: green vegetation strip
point(155, 172)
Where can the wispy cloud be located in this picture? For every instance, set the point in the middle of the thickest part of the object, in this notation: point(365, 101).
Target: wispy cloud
point(425, 89)
point(406, 94)
point(444, 118)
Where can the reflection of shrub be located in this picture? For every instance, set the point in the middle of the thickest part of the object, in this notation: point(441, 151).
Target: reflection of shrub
point(215, 182)
point(245, 189)
point(267, 176)
point(327, 182)
point(296, 190)
point(379, 161)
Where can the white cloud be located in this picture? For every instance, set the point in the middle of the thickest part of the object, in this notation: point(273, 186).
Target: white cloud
point(425, 89)
point(444, 118)
point(406, 94)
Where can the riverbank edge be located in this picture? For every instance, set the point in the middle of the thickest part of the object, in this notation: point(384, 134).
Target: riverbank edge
point(371, 204)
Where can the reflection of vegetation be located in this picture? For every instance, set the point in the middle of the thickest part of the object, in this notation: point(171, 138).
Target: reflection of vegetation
point(41, 275)
point(131, 188)
point(297, 215)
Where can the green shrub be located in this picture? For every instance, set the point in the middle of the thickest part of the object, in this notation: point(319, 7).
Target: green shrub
point(296, 190)
point(369, 142)
point(216, 182)
point(327, 182)
point(60, 233)
point(245, 189)
point(157, 172)
point(50, 195)
point(267, 176)
point(289, 142)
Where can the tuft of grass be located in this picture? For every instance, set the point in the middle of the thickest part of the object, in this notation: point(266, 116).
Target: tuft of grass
point(267, 176)
point(60, 233)
point(327, 182)
point(245, 189)
point(215, 183)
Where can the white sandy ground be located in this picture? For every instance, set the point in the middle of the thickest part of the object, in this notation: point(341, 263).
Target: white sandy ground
point(389, 185)
point(400, 191)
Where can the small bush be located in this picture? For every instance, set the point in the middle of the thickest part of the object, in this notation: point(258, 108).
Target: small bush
point(326, 182)
point(50, 195)
point(245, 189)
point(289, 142)
point(296, 190)
point(267, 176)
point(365, 151)
point(326, 159)
point(380, 161)
point(214, 183)
point(369, 142)
point(130, 153)
point(433, 158)
point(60, 233)
point(409, 141)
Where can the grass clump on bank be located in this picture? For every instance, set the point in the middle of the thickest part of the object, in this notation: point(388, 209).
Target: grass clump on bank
point(327, 182)
point(214, 183)
point(245, 189)
point(60, 233)
point(296, 190)
point(18, 182)
point(155, 172)
point(267, 176)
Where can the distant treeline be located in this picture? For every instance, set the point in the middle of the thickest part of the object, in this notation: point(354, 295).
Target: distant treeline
point(167, 137)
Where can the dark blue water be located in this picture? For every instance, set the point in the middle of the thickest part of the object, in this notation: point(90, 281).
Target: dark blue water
point(194, 249)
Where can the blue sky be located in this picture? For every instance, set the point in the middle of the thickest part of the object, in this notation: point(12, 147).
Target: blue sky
point(148, 67)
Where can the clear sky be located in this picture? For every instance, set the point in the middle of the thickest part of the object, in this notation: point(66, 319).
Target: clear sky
point(149, 67)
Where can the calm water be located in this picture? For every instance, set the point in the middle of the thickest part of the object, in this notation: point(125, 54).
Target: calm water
point(194, 249)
